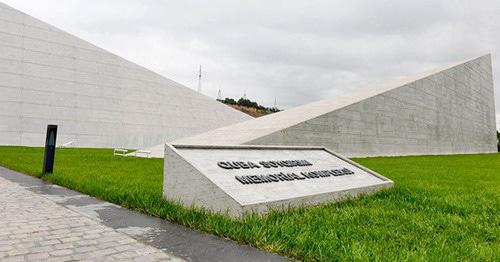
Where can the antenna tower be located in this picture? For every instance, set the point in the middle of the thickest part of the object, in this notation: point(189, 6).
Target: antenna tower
point(199, 81)
point(219, 95)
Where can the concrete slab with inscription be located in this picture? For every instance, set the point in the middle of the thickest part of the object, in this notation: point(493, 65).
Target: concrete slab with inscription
point(239, 179)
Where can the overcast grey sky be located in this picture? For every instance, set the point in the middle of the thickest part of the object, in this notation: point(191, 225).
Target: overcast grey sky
point(296, 51)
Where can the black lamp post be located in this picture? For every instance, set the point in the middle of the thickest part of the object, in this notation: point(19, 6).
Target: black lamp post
point(50, 149)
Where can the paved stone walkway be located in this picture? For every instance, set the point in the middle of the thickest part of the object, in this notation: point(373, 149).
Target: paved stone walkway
point(34, 228)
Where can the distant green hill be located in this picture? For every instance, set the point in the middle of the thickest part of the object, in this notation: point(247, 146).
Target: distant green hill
point(249, 107)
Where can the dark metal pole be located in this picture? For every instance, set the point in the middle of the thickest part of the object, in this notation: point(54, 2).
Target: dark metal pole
point(50, 149)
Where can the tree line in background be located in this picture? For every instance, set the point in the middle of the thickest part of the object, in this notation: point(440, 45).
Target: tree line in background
point(248, 103)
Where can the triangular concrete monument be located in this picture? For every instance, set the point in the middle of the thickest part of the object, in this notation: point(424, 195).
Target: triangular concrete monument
point(445, 111)
point(97, 99)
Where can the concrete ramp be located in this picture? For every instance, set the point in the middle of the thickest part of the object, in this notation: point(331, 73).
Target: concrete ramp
point(445, 111)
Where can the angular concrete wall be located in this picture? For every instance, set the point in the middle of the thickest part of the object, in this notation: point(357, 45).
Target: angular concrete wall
point(448, 111)
point(98, 99)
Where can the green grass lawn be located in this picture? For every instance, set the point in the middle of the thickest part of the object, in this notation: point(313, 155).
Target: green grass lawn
point(441, 208)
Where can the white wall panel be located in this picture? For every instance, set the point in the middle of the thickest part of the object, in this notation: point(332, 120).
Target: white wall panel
point(36, 110)
point(10, 138)
point(41, 58)
point(37, 124)
point(31, 21)
point(36, 97)
point(11, 40)
point(49, 72)
point(10, 52)
point(10, 123)
point(62, 113)
point(11, 27)
point(48, 85)
point(9, 14)
point(33, 138)
point(10, 108)
point(63, 99)
point(10, 94)
point(38, 45)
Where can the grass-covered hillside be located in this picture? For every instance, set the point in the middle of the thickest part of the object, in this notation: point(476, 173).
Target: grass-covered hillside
point(442, 208)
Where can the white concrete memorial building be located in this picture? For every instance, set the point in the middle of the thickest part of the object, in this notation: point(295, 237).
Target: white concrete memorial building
point(96, 98)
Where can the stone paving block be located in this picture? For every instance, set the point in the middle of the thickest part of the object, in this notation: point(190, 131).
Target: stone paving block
point(51, 232)
point(13, 259)
point(37, 256)
point(41, 249)
point(49, 242)
point(69, 239)
point(61, 252)
point(18, 251)
point(63, 246)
